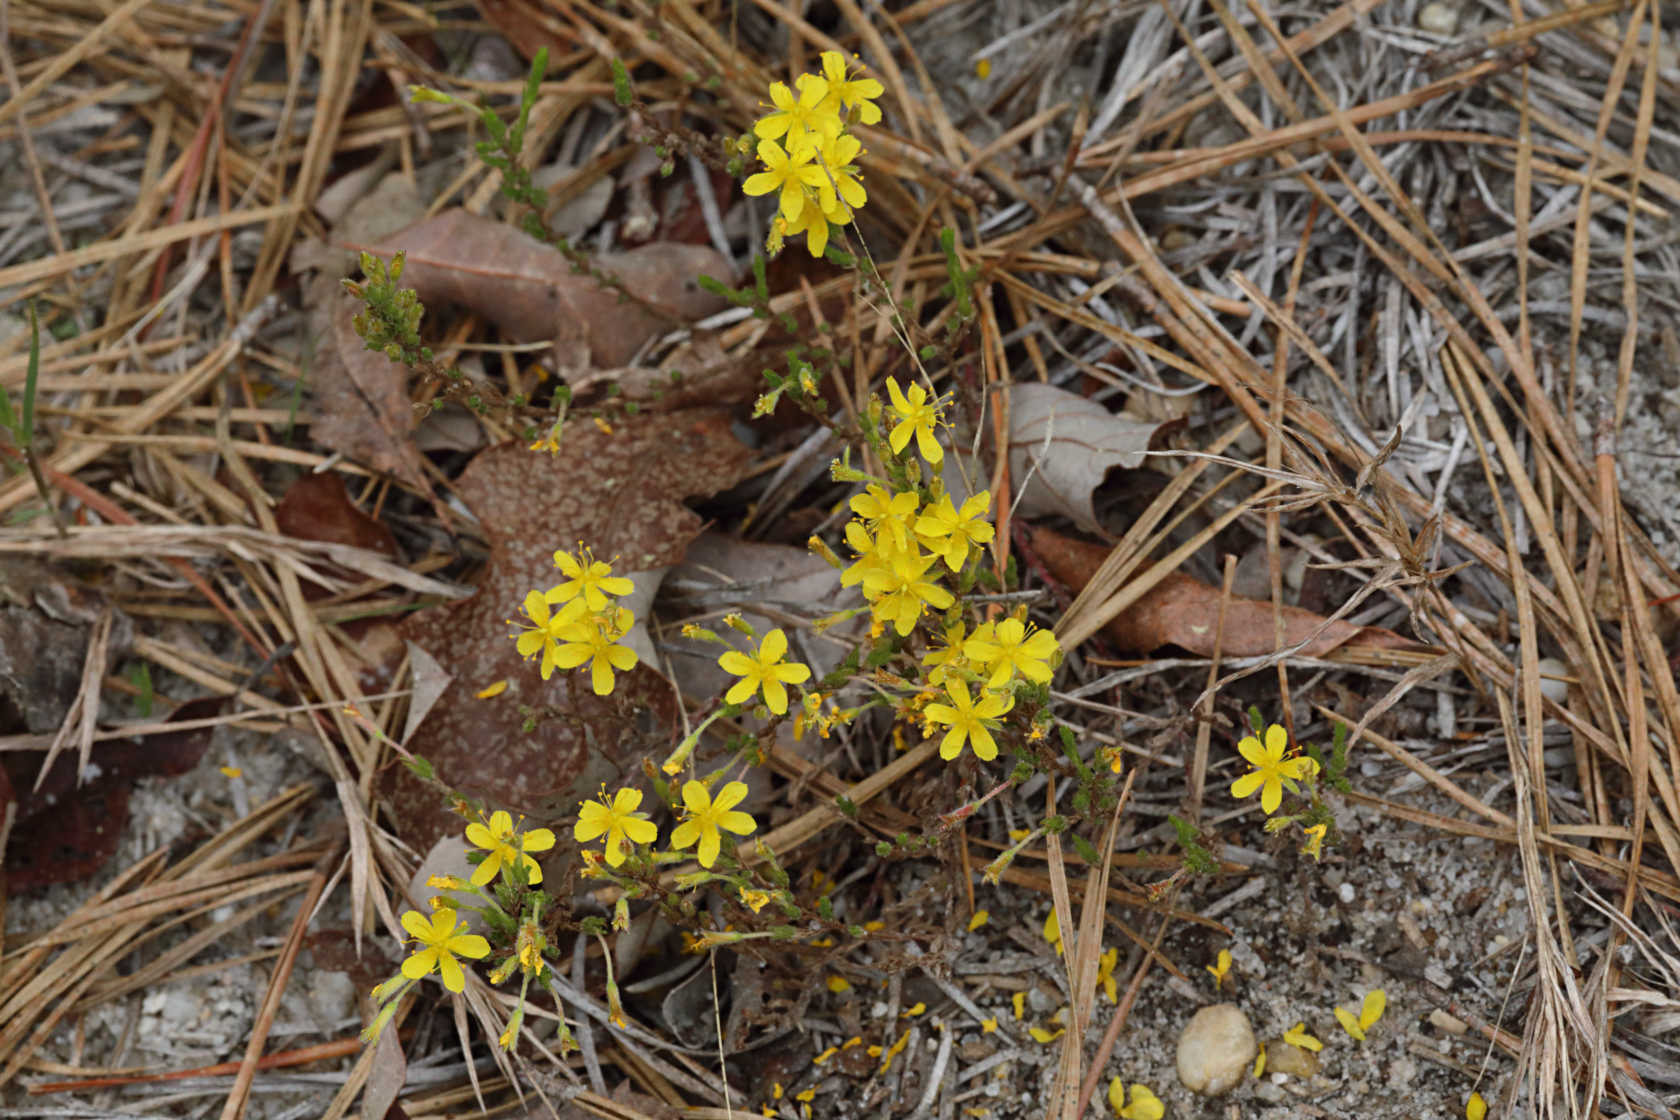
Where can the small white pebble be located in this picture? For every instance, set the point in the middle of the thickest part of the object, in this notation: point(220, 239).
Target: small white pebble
point(1451, 1024)
point(1440, 18)
point(1345, 892)
point(1216, 1050)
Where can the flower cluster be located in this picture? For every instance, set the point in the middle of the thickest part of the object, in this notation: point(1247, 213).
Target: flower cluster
point(908, 545)
point(444, 939)
point(809, 157)
point(588, 626)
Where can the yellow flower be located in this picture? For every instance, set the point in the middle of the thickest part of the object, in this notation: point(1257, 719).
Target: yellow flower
point(593, 638)
point(617, 820)
point(948, 531)
point(889, 513)
point(1475, 1108)
point(871, 568)
point(852, 94)
point(845, 193)
point(917, 416)
point(754, 900)
point(1315, 841)
point(589, 577)
point(441, 939)
point(1298, 1036)
point(804, 120)
point(902, 591)
point(706, 815)
point(793, 174)
point(539, 636)
point(764, 672)
point(1271, 770)
point(1145, 1105)
point(1012, 649)
point(507, 847)
point(968, 721)
point(1376, 1002)
point(1221, 968)
point(1105, 974)
point(939, 660)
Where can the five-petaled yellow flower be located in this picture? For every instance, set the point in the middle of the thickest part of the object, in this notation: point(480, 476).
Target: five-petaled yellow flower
point(917, 416)
point(507, 846)
point(803, 119)
point(967, 720)
point(835, 157)
point(617, 820)
point(589, 577)
point(442, 939)
point(1010, 648)
point(593, 638)
point(539, 636)
point(852, 93)
point(1272, 772)
point(708, 814)
point(795, 174)
point(950, 532)
point(764, 672)
point(902, 590)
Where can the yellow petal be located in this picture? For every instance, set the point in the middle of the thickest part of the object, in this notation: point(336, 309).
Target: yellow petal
point(1375, 1004)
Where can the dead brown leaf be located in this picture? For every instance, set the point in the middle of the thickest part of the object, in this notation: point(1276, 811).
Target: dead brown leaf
point(1183, 611)
point(532, 292)
point(362, 406)
point(1064, 445)
point(318, 508)
point(619, 492)
point(69, 826)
